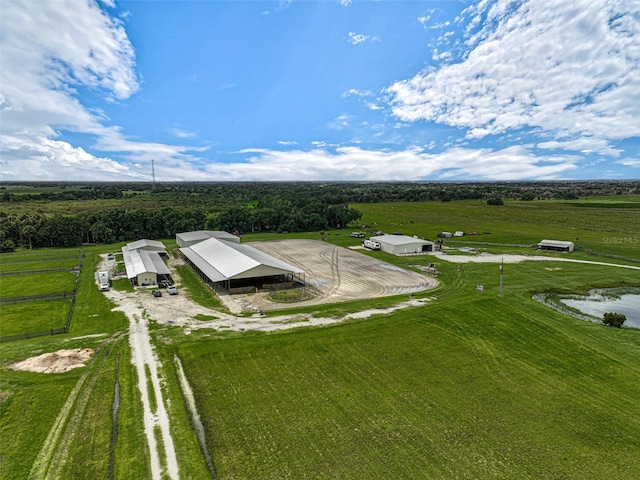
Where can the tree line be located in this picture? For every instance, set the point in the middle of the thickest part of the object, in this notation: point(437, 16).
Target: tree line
point(229, 194)
point(59, 214)
point(33, 230)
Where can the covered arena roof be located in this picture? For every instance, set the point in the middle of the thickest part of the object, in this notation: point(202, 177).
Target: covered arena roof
point(222, 260)
point(139, 261)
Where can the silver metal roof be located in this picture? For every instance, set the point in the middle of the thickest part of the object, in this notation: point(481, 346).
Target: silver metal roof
point(556, 243)
point(201, 235)
point(137, 262)
point(400, 240)
point(223, 260)
point(144, 243)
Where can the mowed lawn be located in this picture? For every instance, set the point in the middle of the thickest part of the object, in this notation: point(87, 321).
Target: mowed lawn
point(472, 385)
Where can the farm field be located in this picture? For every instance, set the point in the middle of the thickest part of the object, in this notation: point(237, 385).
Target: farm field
point(601, 225)
point(469, 385)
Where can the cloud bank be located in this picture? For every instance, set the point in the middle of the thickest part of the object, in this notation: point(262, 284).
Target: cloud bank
point(570, 71)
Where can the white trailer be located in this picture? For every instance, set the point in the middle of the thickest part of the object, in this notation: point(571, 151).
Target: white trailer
point(103, 280)
point(371, 244)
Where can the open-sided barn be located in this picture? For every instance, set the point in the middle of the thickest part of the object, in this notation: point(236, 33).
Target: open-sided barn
point(403, 244)
point(555, 246)
point(232, 265)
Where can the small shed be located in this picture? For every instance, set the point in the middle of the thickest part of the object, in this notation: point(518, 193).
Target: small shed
point(186, 239)
point(403, 244)
point(556, 246)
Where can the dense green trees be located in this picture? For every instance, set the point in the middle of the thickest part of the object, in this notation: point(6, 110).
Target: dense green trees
point(118, 225)
point(68, 214)
point(614, 319)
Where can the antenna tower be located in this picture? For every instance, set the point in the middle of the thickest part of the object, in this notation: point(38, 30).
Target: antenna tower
point(153, 171)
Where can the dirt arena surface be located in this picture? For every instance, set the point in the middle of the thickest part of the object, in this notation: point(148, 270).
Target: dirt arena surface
point(341, 274)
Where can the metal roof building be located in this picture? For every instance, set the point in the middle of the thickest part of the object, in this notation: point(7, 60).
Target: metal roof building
point(556, 246)
point(150, 245)
point(403, 244)
point(143, 266)
point(186, 239)
point(232, 264)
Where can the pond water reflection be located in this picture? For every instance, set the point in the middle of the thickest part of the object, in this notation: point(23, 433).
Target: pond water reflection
point(598, 303)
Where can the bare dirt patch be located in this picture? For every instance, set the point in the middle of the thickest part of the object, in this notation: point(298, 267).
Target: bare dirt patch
point(55, 362)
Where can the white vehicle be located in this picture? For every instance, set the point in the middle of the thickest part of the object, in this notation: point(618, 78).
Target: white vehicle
point(357, 234)
point(103, 280)
point(371, 244)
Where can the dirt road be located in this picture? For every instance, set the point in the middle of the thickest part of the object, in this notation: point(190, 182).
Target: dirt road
point(145, 360)
point(509, 258)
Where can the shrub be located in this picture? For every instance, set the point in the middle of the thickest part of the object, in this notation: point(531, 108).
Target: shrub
point(614, 319)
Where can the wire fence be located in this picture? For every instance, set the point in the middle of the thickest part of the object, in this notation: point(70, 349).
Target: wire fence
point(74, 269)
point(32, 298)
point(35, 298)
point(39, 259)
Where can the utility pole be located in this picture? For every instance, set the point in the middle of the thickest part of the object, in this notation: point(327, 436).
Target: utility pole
point(501, 265)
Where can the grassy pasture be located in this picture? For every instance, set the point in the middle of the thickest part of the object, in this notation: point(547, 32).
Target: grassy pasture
point(37, 284)
point(10, 266)
point(614, 230)
point(34, 316)
point(470, 386)
point(30, 403)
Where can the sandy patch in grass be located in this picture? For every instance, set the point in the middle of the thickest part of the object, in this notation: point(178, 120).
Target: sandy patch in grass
point(55, 362)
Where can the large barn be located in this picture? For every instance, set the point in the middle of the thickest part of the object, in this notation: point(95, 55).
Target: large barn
point(403, 244)
point(143, 262)
point(232, 266)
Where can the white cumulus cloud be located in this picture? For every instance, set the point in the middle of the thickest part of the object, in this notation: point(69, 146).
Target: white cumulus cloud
point(570, 69)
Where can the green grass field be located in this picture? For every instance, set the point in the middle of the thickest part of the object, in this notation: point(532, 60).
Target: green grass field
point(605, 227)
point(27, 317)
point(471, 385)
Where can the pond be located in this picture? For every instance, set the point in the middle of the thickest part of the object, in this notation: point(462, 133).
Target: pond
point(599, 302)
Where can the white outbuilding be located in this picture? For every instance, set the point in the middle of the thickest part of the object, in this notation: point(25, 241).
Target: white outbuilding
point(556, 246)
point(403, 244)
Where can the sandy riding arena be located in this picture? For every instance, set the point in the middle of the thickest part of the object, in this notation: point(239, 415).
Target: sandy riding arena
point(340, 274)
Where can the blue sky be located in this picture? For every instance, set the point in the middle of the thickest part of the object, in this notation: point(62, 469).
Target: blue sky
point(320, 90)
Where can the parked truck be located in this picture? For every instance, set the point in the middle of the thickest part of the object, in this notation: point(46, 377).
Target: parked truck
point(103, 280)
